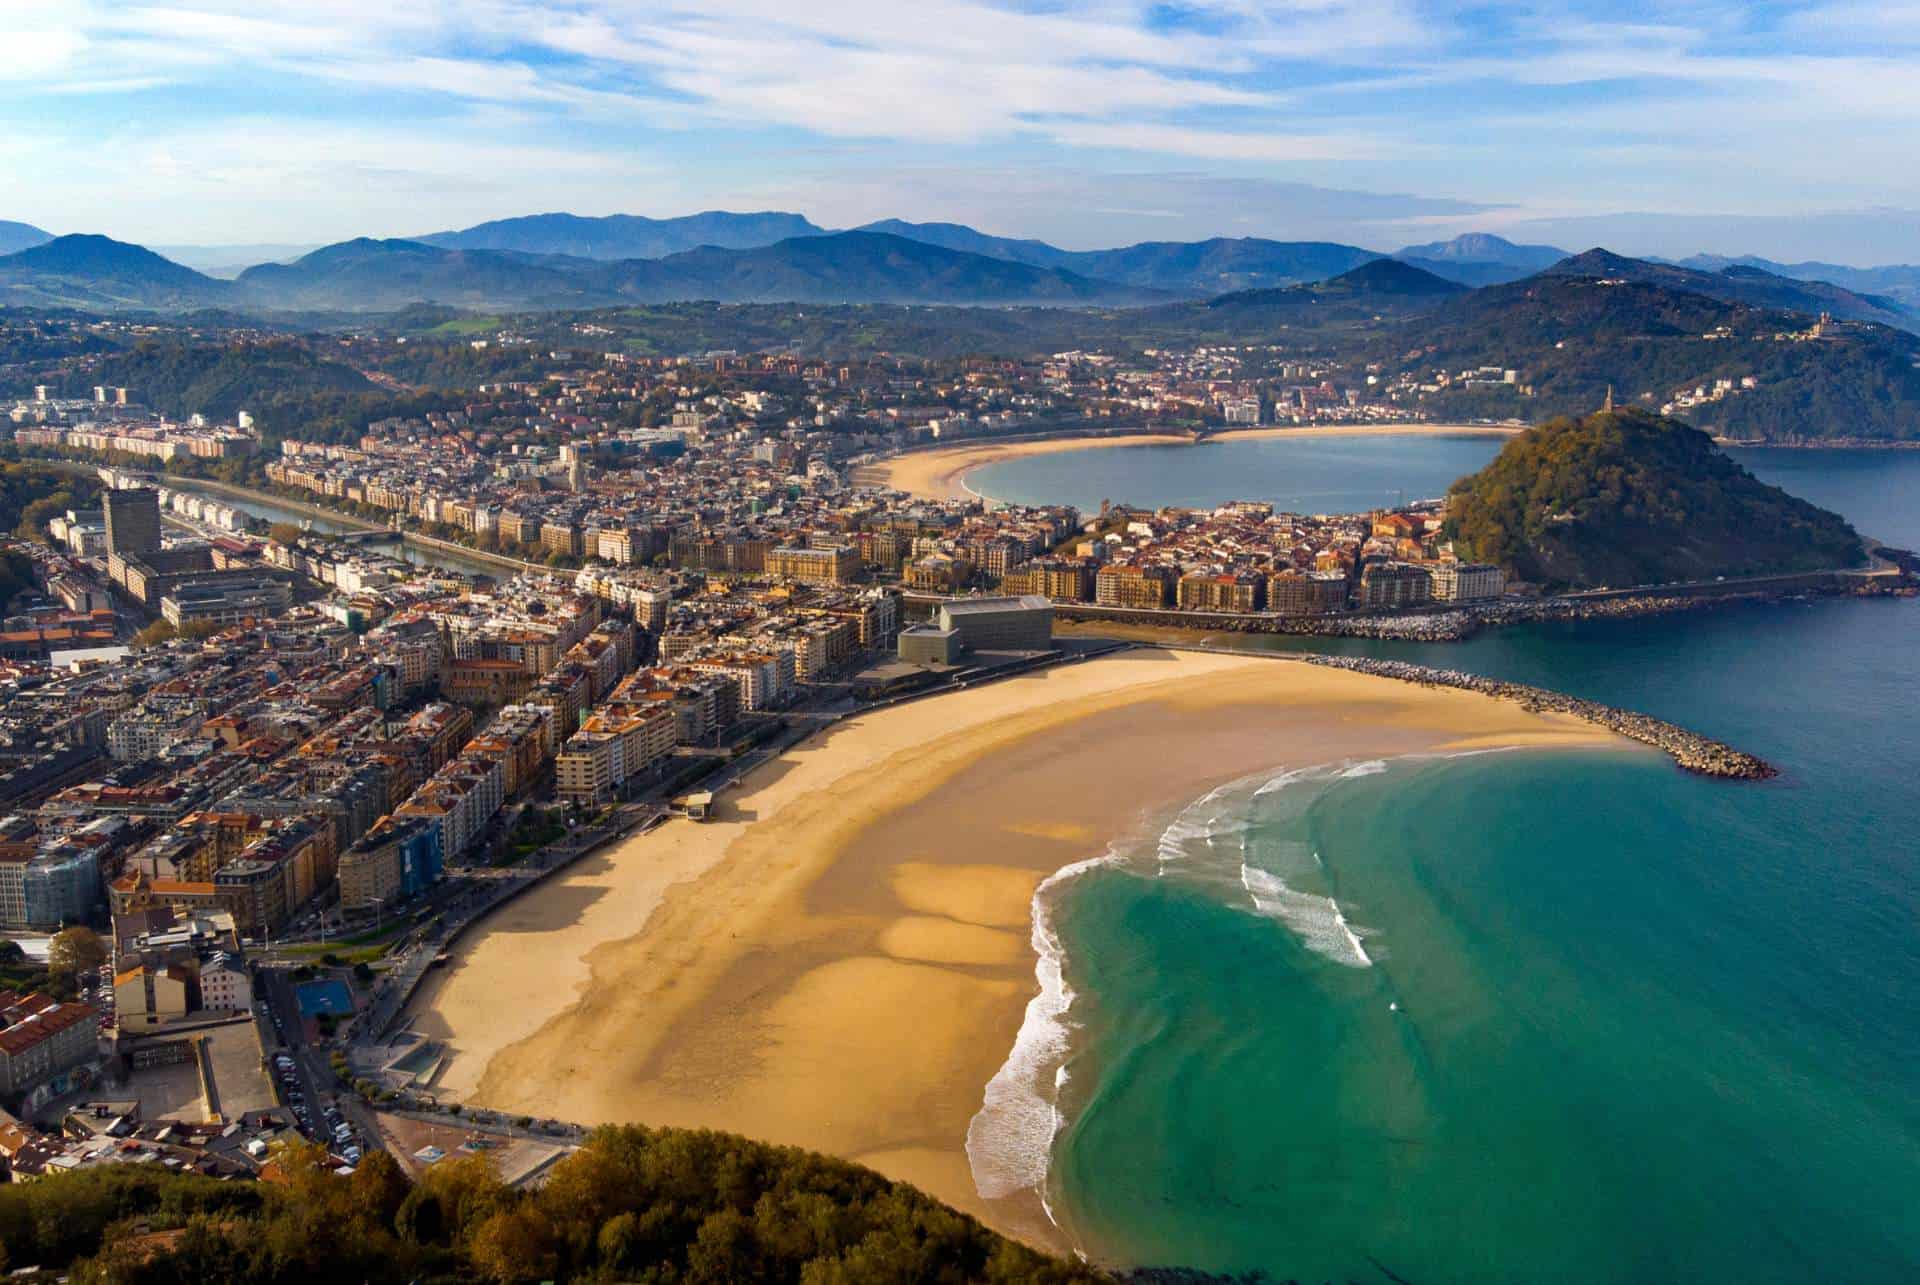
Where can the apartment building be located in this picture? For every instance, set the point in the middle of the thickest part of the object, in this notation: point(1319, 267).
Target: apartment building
point(1467, 581)
point(1137, 587)
point(830, 564)
point(1224, 591)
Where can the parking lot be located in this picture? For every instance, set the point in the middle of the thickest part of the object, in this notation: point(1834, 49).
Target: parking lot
point(300, 1074)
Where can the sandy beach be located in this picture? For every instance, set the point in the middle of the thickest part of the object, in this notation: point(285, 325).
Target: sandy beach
point(841, 959)
point(940, 474)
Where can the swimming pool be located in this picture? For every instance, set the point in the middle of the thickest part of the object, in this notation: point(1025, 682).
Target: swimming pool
point(329, 996)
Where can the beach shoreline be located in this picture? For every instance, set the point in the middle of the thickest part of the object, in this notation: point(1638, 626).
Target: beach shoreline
point(844, 958)
point(940, 473)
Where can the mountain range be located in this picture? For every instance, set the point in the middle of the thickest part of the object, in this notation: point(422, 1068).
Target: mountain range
point(840, 267)
point(1739, 283)
point(564, 261)
point(1897, 281)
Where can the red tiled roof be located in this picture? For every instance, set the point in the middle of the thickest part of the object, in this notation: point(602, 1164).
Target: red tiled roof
point(21, 1036)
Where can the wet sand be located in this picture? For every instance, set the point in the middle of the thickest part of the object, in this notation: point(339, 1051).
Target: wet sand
point(941, 474)
point(841, 960)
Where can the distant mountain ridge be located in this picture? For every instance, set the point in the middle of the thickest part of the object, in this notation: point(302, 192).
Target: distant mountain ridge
point(1480, 258)
point(1388, 281)
point(1897, 281)
point(892, 261)
point(626, 236)
point(1485, 247)
point(1741, 284)
point(958, 236)
point(15, 237)
point(99, 272)
point(841, 267)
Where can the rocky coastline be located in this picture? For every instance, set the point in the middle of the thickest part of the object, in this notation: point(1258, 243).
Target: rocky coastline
point(1690, 750)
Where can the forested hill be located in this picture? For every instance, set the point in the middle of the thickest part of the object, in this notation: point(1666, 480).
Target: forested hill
point(1624, 498)
point(290, 389)
point(1573, 338)
point(220, 380)
point(632, 1205)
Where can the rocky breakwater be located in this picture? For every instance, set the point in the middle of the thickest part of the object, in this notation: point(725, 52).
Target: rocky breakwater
point(1692, 751)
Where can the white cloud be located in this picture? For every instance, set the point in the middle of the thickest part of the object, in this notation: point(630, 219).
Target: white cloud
point(491, 106)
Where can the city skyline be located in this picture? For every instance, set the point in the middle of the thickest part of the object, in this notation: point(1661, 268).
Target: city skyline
point(1372, 122)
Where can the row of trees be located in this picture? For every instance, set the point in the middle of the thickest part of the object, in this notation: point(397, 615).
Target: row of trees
point(632, 1204)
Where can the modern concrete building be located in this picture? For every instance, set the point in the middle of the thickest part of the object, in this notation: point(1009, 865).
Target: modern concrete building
point(133, 521)
point(226, 603)
point(929, 645)
point(1000, 624)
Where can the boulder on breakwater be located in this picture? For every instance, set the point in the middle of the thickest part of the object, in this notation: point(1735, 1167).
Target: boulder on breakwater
point(1691, 750)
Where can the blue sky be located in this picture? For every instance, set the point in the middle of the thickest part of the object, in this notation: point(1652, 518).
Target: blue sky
point(1784, 129)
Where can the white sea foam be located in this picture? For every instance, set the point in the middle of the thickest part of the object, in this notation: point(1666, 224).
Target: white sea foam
point(1372, 767)
point(1195, 826)
point(1316, 920)
point(1010, 1138)
point(1283, 780)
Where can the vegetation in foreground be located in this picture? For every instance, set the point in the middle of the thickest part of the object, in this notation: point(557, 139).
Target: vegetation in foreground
point(31, 493)
point(634, 1204)
point(1624, 498)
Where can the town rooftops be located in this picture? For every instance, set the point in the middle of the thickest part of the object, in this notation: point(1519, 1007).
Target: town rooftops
point(42, 1025)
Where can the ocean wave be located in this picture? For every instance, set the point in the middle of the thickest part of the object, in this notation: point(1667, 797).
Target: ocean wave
point(1010, 1138)
point(1315, 919)
point(1194, 828)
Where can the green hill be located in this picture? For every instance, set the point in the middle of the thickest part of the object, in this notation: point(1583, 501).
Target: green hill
point(1626, 498)
point(633, 1204)
point(1572, 337)
point(218, 380)
point(86, 271)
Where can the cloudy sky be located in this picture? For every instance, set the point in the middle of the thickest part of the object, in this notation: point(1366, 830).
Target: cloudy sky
point(1784, 129)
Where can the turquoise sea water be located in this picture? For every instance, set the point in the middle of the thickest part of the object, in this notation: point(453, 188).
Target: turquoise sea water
point(1531, 1016)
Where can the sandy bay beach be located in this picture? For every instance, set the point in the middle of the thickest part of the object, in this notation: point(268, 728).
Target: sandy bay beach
point(842, 959)
point(941, 473)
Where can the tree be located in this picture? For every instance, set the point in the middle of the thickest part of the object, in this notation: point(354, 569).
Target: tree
point(515, 1245)
point(153, 635)
point(74, 951)
point(378, 1188)
point(285, 532)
